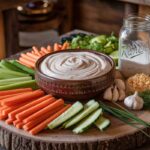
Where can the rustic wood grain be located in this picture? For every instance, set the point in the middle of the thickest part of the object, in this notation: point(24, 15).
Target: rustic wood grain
point(11, 31)
point(118, 136)
point(98, 16)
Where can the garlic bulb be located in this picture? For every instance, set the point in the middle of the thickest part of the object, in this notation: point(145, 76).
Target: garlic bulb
point(134, 102)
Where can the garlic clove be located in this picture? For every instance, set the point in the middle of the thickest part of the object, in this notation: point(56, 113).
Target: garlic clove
point(108, 94)
point(115, 94)
point(120, 84)
point(122, 94)
point(118, 75)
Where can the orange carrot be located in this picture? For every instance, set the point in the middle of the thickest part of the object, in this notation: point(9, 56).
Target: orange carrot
point(49, 49)
point(14, 91)
point(65, 46)
point(43, 124)
point(32, 55)
point(28, 58)
point(15, 122)
point(43, 49)
point(19, 125)
point(36, 51)
point(41, 112)
point(25, 97)
point(42, 53)
point(25, 61)
point(7, 110)
point(56, 47)
point(24, 64)
point(29, 105)
point(24, 114)
point(3, 116)
point(9, 121)
point(33, 123)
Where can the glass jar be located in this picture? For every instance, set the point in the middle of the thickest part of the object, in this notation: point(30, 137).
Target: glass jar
point(134, 46)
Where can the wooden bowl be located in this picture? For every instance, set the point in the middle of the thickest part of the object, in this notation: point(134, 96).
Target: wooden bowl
point(75, 89)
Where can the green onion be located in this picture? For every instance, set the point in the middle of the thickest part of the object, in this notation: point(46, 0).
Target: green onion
point(126, 116)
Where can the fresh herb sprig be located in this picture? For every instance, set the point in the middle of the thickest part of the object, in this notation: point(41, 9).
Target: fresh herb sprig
point(146, 97)
point(126, 116)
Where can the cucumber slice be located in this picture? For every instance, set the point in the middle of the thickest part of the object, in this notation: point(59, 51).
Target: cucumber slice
point(88, 121)
point(82, 115)
point(24, 68)
point(73, 110)
point(102, 123)
point(8, 65)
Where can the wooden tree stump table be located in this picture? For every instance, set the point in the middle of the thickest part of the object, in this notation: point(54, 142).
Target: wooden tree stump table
point(118, 136)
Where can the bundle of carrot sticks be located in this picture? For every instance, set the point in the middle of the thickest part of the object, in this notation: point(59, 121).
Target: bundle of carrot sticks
point(30, 110)
point(29, 59)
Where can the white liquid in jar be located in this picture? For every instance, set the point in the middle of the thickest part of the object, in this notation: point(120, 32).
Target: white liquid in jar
point(138, 64)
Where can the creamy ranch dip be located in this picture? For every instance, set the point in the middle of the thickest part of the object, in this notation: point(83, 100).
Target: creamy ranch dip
point(75, 65)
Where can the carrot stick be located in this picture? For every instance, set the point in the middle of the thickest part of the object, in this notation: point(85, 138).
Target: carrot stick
point(33, 55)
point(24, 114)
point(33, 123)
point(25, 97)
point(9, 121)
point(3, 116)
point(29, 105)
point(36, 50)
point(43, 124)
point(56, 47)
point(65, 46)
point(19, 125)
point(41, 112)
point(43, 49)
point(42, 53)
point(8, 110)
point(24, 64)
point(28, 58)
point(49, 49)
point(14, 91)
point(25, 61)
point(15, 122)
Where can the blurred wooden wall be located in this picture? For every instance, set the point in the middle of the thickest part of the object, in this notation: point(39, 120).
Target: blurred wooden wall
point(98, 16)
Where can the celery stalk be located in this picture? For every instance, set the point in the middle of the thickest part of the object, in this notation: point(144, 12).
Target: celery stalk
point(6, 72)
point(24, 84)
point(14, 80)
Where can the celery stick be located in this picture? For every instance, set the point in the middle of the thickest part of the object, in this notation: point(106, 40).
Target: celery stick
point(15, 73)
point(24, 84)
point(14, 80)
point(28, 70)
point(8, 65)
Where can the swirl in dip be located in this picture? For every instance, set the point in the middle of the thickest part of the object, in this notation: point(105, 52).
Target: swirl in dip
point(75, 65)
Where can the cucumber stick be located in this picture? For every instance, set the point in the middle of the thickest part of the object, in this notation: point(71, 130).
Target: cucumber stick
point(89, 103)
point(72, 111)
point(24, 68)
point(87, 122)
point(23, 84)
point(14, 80)
point(8, 65)
point(102, 123)
point(82, 115)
